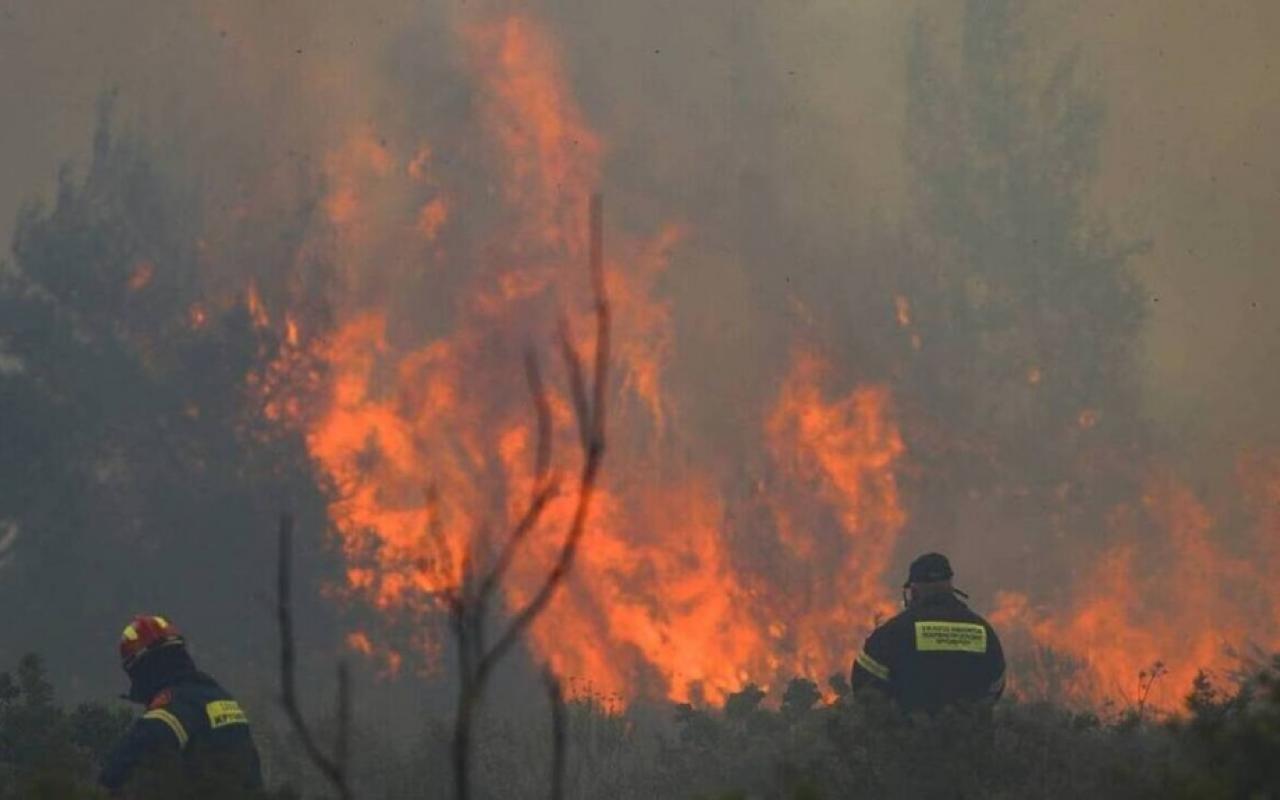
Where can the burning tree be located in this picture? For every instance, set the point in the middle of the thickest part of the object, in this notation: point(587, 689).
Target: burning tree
point(1021, 321)
point(134, 454)
point(470, 600)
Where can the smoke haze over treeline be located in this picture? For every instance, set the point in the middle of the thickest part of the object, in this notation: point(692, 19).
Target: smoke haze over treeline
point(995, 278)
point(1187, 160)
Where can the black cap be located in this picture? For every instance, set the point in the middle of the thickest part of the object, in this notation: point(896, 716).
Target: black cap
point(929, 568)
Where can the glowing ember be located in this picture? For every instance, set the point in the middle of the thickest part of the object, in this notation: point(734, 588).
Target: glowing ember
point(432, 216)
point(902, 308)
point(197, 317)
point(257, 311)
point(360, 642)
point(143, 272)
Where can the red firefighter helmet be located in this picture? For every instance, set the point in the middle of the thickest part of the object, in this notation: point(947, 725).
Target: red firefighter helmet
point(145, 634)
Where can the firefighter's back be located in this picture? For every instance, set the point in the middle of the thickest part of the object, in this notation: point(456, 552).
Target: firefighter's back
point(218, 750)
point(193, 742)
point(945, 655)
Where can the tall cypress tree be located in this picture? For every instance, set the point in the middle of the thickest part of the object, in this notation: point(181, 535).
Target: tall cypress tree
point(1022, 383)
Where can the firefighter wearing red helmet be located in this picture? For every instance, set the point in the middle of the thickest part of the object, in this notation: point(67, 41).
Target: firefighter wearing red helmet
point(937, 652)
point(193, 736)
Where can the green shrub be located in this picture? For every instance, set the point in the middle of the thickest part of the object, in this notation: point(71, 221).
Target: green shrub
point(47, 752)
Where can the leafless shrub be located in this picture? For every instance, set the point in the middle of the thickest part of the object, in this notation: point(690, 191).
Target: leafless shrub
point(334, 767)
point(469, 604)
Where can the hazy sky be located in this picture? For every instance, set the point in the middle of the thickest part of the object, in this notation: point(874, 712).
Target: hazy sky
point(1189, 160)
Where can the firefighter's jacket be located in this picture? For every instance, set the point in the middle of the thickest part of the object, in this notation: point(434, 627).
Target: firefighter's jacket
point(934, 654)
point(195, 733)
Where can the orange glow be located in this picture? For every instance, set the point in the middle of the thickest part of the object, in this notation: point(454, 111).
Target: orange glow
point(257, 311)
point(419, 167)
point(696, 575)
point(143, 272)
point(357, 173)
point(197, 317)
point(360, 642)
point(1260, 476)
point(1186, 602)
point(432, 217)
point(841, 458)
point(660, 602)
point(902, 309)
point(552, 156)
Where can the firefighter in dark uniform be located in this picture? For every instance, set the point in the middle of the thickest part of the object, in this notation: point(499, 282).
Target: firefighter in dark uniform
point(937, 652)
point(193, 736)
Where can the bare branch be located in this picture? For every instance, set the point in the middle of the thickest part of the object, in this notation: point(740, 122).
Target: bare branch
point(461, 749)
point(559, 725)
point(342, 743)
point(542, 407)
point(334, 769)
point(525, 617)
point(544, 483)
point(526, 524)
point(603, 320)
point(475, 660)
point(440, 558)
point(591, 425)
point(590, 411)
point(577, 389)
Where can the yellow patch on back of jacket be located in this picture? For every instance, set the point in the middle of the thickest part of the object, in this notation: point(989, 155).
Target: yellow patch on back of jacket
point(965, 637)
point(225, 712)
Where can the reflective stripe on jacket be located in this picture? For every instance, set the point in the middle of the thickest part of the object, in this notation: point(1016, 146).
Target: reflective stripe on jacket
point(196, 725)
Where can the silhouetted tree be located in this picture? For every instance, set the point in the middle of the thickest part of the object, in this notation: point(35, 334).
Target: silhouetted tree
point(46, 751)
point(1020, 313)
point(133, 457)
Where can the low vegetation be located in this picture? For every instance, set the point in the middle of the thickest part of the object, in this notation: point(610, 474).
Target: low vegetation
point(1222, 745)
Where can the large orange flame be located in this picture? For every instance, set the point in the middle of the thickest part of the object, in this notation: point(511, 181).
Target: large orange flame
point(661, 602)
point(1151, 613)
point(686, 586)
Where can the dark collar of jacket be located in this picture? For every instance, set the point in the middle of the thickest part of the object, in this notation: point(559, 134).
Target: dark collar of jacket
point(937, 601)
point(158, 671)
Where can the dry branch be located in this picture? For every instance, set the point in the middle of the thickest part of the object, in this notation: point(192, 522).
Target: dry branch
point(333, 769)
point(559, 726)
point(469, 604)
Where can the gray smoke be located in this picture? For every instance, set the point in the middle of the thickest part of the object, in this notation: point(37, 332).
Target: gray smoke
point(783, 134)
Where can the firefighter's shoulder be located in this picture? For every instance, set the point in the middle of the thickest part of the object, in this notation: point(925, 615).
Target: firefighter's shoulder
point(902, 621)
point(217, 706)
point(178, 708)
point(891, 635)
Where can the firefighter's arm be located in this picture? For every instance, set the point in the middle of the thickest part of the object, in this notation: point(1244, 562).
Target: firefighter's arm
point(995, 658)
point(158, 732)
point(873, 665)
